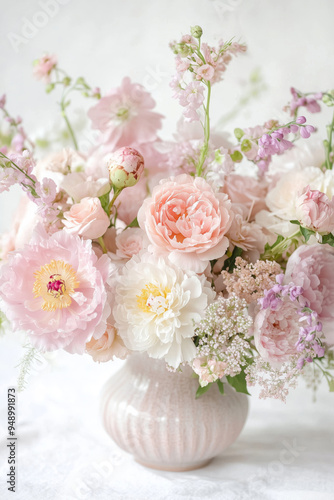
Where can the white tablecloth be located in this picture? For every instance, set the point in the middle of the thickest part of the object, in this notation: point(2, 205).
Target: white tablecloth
point(285, 452)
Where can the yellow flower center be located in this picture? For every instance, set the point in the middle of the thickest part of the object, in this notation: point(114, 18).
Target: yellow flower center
point(153, 300)
point(55, 283)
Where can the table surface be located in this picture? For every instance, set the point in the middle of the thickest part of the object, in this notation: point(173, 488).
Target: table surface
point(286, 451)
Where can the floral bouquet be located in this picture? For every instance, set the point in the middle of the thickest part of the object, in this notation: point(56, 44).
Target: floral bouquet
point(207, 250)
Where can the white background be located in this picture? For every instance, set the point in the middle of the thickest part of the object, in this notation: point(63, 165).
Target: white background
point(61, 439)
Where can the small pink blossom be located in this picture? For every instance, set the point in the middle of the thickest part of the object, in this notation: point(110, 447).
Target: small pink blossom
point(315, 211)
point(107, 347)
point(125, 116)
point(86, 219)
point(187, 220)
point(3, 101)
point(208, 370)
point(44, 66)
point(205, 72)
point(54, 289)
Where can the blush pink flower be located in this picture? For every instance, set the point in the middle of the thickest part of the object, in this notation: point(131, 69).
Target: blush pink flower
point(246, 191)
point(312, 268)
point(128, 205)
point(125, 116)
point(130, 242)
point(107, 347)
point(276, 332)
point(186, 220)
point(44, 66)
point(206, 71)
point(54, 289)
point(86, 219)
point(315, 211)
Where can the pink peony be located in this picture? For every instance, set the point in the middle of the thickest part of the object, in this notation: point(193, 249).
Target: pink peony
point(246, 191)
point(86, 219)
point(187, 220)
point(107, 347)
point(55, 290)
point(315, 211)
point(125, 116)
point(312, 268)
point(125, 165)
point(276, 332)
point(246, 235)
point(44, 66)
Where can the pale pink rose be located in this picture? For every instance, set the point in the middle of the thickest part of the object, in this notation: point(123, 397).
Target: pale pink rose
point(186, 220)
point(246, 235)
point(86, 219)
point(44, 66)
point(130, 242)
point(107, 347)
point(312, 268)
point(276, 332)
point(125, 116)
point(315, 211)
point(55, 290)
point(248, 192)
point(125, 166)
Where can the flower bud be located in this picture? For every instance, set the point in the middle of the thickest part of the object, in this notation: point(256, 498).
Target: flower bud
point(125, 167)
point(196, 31)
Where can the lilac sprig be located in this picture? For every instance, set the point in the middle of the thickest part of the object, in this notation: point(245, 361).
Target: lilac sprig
point(308, 345)
point(309, 101)
point(19, 140)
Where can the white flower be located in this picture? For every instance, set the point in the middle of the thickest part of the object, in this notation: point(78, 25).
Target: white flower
point(156, 307)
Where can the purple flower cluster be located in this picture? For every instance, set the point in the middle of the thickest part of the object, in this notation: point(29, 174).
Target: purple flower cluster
point(308, 343)
point(310, 102)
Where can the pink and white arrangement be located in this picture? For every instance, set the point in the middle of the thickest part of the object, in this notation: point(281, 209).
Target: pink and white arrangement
point(176, 249)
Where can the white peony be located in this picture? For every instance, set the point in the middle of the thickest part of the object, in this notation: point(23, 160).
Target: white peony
point(156, 305)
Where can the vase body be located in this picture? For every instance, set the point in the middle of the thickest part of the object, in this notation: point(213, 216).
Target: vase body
point(153, 414)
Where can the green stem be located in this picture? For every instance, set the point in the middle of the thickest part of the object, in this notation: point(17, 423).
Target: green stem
point(329, 162)
point(280, 247)
point(205, 148)
point(69, 126)
point(103, 246)
point(117, 192)
point(18, 168)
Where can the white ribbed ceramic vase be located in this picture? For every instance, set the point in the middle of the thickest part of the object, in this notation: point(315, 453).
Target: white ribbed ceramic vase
point(153, 414)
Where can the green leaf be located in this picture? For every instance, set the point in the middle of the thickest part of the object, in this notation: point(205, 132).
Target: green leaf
point(201, 390)
point(104, 199)
point(238, 132)
point(134, 223)
point(238, 382)
point(229, 263)
point(220, 386)
point(328, 238)
point(295, 222)
point(236, 156)
point(246, 145)
point(307, 233)
point(331, 385)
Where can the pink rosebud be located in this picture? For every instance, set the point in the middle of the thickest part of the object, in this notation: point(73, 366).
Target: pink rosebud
point(87, 219)
point(315, 211)
point(126, 165)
